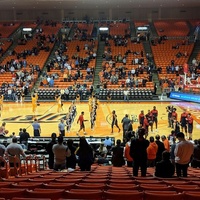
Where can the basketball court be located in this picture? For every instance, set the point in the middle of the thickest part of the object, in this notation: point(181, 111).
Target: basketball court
point(19, 115)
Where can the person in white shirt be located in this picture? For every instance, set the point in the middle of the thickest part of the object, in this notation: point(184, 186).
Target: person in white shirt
point(126, 95)
point(14, 149)
point(128, 82)
point(133, 71)
point(183, 152)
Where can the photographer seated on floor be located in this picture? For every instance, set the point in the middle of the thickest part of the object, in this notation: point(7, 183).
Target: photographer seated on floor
point(101, 155)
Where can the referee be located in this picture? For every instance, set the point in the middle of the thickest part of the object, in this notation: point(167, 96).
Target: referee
point(36, 128)
point(61, 127)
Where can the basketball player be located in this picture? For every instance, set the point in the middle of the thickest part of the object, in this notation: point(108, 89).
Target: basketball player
point(114, 121)
point(190, 125)
point(183, 122)
point(81, 120)
point(141, 118)
point(174, 117)
point(154, 113)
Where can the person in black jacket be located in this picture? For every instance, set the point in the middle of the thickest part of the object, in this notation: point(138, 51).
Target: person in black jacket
point(164, 168)
point(23, 138)
point(71, 160)
point(118, 155)
point(138, 151)
point(85, 155)
point(49, 150)
point(161, 148)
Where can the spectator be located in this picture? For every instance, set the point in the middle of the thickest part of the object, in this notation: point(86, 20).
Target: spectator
point(23, 138)
point(2, 150)
point(183, 152)
point(102, 155)
point(85, 155)
point(161, 148)
point(165, 142)
point(126, 94)
point(71, 160)
point(60, 152)
point(108, 142)
point(151, 152)
point(49, 150)
point(173, 146)
point(138, 151)
point(164, 168)
point(129, 159)
point(14, 149)
point(196, 156)
point(117, 155)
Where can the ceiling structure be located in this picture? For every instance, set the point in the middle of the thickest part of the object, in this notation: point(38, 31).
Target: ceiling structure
point(91, 4)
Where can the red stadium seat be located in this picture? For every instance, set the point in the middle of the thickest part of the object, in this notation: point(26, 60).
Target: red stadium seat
point(121, 186)
point(9, 193)
point(24, 198)
point(27, 185)
point(191, 195)
point(90, 186)
point(123, 194)
point(57, 185)
point(163, 196)
point(84, 194)
point(46, 193)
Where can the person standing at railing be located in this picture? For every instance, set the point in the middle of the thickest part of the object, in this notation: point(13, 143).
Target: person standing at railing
point(14, 149)
point(49, 150)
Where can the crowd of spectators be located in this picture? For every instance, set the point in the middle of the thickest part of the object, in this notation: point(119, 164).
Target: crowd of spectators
point(145, 153)
point(70, 68)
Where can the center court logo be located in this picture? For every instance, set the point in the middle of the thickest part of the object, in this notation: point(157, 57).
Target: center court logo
point(47, 118)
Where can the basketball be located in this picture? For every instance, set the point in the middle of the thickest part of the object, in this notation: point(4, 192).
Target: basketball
point(6, 131)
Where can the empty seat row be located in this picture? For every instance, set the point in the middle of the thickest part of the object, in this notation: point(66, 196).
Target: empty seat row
point(55, 194)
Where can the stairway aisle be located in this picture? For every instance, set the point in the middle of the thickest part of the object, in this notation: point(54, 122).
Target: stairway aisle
point(99, 61)
point(153, 30)
point(148, 50)
point(195, 52)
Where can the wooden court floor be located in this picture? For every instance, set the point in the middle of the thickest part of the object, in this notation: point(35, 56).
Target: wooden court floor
point(19, 115)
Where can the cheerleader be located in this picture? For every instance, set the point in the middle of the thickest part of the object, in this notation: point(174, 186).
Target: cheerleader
point(59, 103)
point(34, 103)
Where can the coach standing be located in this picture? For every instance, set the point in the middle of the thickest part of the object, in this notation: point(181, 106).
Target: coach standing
point(36, 128)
